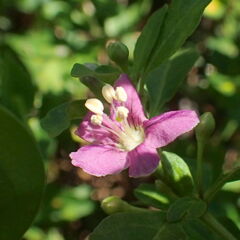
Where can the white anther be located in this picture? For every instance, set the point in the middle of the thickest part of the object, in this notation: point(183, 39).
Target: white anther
point(96, 119)
point(121, 94)
point(94, 105)
point(108, 93)
point(122, 113)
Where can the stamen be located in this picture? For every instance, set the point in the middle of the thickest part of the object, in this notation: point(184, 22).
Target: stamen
point(94, 105)
point(108, 93)
point(122, 113)
point(96, 119)
point(121, 94)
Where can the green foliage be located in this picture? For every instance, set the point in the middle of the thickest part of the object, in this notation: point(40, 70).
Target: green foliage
point(149, 195)
point(17, 89)
point(164, 81)
point(197, 230)
point(118, 52)
point(180, 22)
point(175, 173)
point(170, 231)
point(103, 73)
point(59, 118)
point(186, 208)
point(151, 225)
point(125, 226)
point(147, 41)
point(166, 33)
point(21, 179)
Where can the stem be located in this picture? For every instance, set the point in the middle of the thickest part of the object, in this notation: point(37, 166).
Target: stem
point(124, 68)
point(217, 227)
point(200, 148)
point(212, 191)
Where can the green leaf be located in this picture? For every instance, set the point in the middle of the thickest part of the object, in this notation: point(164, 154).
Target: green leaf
point(129, 226)
point(171, 231)
point(103, 73)
point(17, 90)
point(163, 82)
point(147, 40)
point(182, 19)
point(21, 177)
point(175, 173)
point(148, 194)
point(59, 118)
point(165, 189)
point(197, 230)
point(94, 85)
point(186, 208)
point(80, 70)
point(232, 175)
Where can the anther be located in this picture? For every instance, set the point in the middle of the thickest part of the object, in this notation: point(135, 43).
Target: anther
point(94, 105)
point(96, 119)
point(121, 94)
point(108, 93)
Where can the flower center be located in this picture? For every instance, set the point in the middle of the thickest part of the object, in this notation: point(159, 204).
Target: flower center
point(131, 137)
point(126, 136)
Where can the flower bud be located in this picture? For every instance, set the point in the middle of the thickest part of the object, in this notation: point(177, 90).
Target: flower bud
point(206, 126)
point(108, 93)
point(118, 52)
point(94, 105)
point(113, 204)
point(121, 94)
point(96, 119)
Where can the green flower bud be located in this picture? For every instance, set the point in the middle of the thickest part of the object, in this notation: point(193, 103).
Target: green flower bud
point(118, 52)
point(114, 204)
point(206, 126)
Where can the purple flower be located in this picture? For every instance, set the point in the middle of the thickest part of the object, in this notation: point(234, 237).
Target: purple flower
point(126, 138)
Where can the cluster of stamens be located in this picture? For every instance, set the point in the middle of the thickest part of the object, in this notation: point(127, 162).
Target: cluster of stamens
point(109, 94)
point(129, 136)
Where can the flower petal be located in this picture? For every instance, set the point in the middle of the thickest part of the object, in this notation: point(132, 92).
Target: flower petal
point(99, 160)
point(136, 114)
point(94, 133)
point(165, 128)
point(143, 160)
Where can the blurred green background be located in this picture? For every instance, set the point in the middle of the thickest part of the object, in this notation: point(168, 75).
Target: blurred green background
point(40, 40)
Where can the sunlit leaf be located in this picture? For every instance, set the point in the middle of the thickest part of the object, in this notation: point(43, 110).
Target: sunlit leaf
point(163, 82)
point(181, 20)
point(148, 194)
point(175, 173)
point(147, 40)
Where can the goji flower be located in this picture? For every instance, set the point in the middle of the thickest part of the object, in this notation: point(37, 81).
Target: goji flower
point(126, 138)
